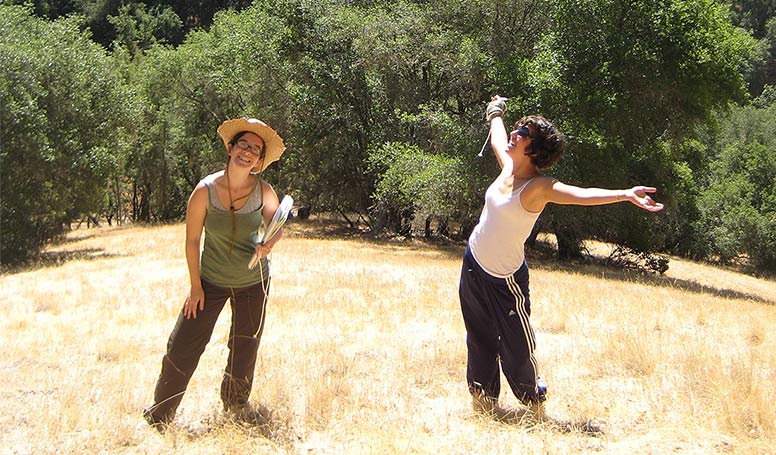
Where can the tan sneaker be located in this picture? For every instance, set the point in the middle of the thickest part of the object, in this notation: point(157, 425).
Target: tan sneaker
point(535, 413)
point(489, 407)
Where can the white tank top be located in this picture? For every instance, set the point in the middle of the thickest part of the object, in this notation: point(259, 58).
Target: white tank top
point(498, 240)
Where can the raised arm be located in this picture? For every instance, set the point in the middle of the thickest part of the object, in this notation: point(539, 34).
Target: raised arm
point(499, 139)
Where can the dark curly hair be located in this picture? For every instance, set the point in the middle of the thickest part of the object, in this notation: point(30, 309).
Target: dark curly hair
point(547, 143)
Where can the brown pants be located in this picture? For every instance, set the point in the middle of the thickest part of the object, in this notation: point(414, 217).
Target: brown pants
point(190, 336)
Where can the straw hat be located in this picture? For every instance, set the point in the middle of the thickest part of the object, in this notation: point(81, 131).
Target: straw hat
point(273, 143)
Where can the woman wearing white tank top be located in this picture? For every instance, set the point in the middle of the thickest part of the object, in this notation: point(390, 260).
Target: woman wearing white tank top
point(493, 288)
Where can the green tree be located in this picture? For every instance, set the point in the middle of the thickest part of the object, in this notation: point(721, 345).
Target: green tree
point(184, 93)
point(138, 28)
point(62, 122)
point(753, 15)
point(418, 191)
point(758, 17)
point(330, 111)
point(50, 9)
point(425, 82)
point(191, 15)
point(627, 81)
point(738, 206)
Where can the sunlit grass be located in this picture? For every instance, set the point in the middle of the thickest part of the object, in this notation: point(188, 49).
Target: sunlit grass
point(364, 352)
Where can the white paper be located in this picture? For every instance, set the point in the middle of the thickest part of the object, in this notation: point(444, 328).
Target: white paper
point(280, 217)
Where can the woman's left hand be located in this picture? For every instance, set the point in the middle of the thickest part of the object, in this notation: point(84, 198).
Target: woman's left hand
point(638, 196)
point(263, 249)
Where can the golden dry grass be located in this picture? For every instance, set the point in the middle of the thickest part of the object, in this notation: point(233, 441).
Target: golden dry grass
point(364, 352)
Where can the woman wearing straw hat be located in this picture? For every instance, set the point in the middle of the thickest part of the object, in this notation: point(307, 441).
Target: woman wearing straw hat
point(230, 206)
point(493, 287)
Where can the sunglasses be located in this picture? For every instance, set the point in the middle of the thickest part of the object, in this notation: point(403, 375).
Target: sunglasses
point(245, 145)
point(523, 131)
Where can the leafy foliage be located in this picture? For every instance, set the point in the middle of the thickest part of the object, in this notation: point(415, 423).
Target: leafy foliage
point(137, 28)
point(152, 20)
point(380, 103)
point(759, 18)
point(62, 116)
point(627, 82)
point(738, 209)
point(417, 188)
point(330, 117)
point(183, 95)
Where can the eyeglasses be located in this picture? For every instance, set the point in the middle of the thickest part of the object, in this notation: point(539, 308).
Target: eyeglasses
point(523, 131)
point(245, 145)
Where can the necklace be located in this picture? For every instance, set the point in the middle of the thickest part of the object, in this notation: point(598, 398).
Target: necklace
point(229, 191)
point(232, 209)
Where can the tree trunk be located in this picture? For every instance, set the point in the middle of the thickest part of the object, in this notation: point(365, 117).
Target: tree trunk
point(350, 222)
point(531, 240)
point(135, 203)
point(569, 246)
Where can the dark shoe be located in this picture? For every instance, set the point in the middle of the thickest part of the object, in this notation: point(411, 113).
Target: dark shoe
point(535, 413)
point(481, 401)
point(156, 423)
point(531, 398)
point(483, 404)
point(246, 413)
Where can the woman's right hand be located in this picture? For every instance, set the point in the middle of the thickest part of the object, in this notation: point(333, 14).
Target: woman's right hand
point(495, 108)
point(195, 299)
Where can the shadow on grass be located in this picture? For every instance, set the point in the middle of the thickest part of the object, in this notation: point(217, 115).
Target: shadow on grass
point(332, 229)
point(60, 257)
point(57, 258)
point(540, 256)
point(523, 417)
point(66, 239)
point(266, 426)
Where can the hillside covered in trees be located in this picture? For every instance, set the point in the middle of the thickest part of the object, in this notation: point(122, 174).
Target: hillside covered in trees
point(109, 109)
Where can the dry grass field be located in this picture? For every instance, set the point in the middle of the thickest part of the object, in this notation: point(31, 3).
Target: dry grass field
point(364, 353)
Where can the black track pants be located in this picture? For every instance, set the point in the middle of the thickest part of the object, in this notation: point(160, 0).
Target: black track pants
point(496, 313)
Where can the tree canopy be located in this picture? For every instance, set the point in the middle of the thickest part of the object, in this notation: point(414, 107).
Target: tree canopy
point(381, 106)
point(62, 116)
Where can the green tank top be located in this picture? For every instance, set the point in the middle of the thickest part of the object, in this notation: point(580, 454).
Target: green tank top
point(217, 265)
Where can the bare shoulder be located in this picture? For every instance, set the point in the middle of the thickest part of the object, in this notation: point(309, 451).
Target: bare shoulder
point(268, 193)
point(265, 186)
point(200, 191)
point(536, 193)
point(199, 195)
point(540, 184)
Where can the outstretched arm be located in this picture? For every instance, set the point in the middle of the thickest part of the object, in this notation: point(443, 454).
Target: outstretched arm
point(560, 193)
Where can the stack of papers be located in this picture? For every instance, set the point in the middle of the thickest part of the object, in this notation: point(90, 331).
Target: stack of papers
point(281, 215)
